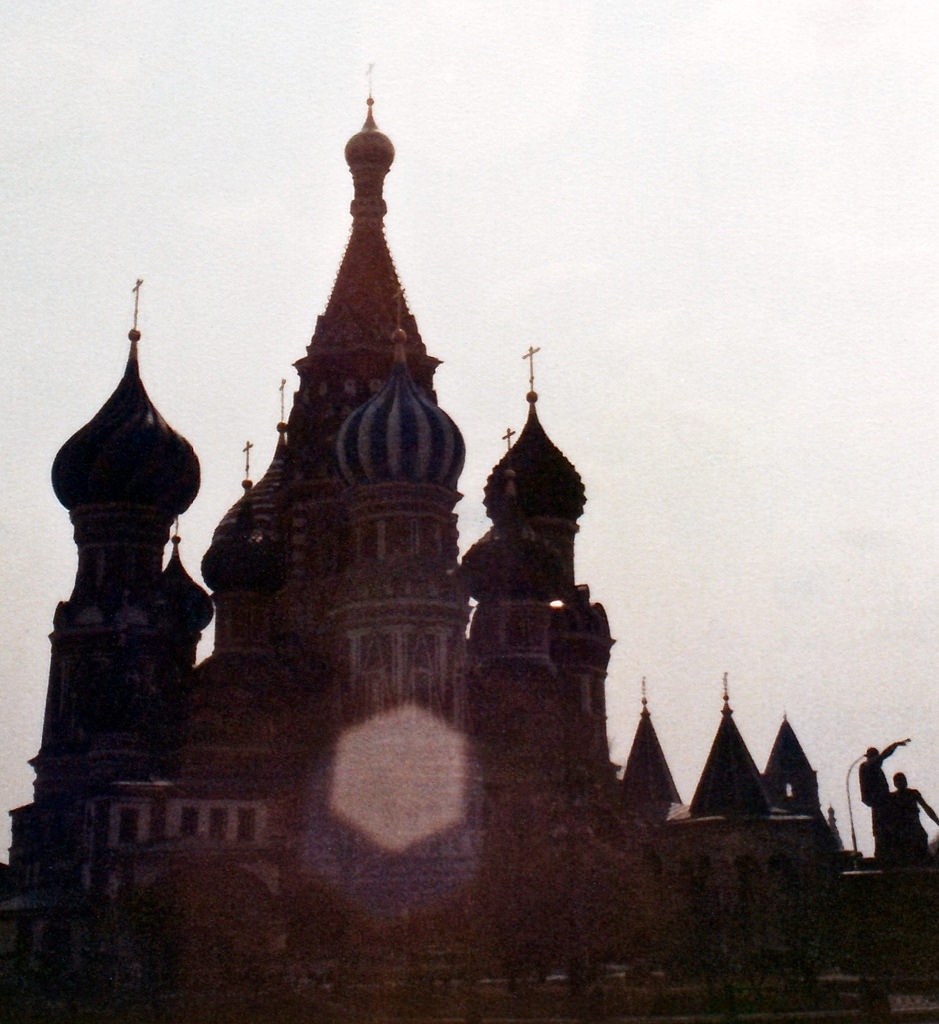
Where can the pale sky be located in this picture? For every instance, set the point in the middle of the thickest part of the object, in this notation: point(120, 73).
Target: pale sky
point(719, 222)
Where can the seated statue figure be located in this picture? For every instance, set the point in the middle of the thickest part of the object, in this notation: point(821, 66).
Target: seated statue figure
point(905, 840)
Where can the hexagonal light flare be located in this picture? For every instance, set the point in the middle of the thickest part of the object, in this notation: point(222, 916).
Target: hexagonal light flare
point(400, 777)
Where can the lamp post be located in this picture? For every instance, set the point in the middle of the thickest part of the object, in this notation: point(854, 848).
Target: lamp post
point(847, 788)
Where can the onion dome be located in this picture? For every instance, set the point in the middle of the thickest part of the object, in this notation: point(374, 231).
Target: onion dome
point(400, 434)
point(246, 553)
point(190, 605)
point(243, 555)
point(369, 147)
point(127, 453)
point(546, 484)
point(369, 154)
point(264, 495)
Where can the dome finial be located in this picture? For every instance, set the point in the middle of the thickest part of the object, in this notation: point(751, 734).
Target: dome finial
point(644, 700)
point(134, 334)
point(726, 709)
point(399, 336)
point(532, 395)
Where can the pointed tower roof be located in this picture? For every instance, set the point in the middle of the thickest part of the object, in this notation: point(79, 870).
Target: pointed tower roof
point(648, 789)
point(367, 301)
point(730, 785)
point(789, 779)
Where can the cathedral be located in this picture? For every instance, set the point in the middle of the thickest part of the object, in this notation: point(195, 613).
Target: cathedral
point(390, 748)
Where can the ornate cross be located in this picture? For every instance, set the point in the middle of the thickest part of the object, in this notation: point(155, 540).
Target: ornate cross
point(530, 356)
point(247, 453)
point(136, 291)
point(507, 437)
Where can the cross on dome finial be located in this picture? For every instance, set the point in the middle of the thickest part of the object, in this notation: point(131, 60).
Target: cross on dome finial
point(644, 700)
point(726, 694)
point(532, 395)
point(246, 483)
point(134, 334)
point(368, 75)
point(283, 385)
point(507, 437)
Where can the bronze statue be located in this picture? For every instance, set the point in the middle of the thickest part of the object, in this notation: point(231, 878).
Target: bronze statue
point(905, 838)
point(875, 791)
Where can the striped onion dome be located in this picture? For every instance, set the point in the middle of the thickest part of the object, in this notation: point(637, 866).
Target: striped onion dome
point(400, 434)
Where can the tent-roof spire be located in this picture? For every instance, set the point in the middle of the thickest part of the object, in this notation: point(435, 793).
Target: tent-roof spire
point(730, 785)
point(648, 789)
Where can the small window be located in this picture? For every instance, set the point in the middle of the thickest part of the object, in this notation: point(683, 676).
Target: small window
point(128, 823)
point(246, 824)
point(158, 821)
point(189, 821)
point(218, 823)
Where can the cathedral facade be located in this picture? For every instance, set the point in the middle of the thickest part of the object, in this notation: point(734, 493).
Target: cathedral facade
point(390, 747)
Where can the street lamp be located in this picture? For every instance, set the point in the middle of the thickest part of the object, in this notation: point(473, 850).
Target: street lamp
point(847, 788)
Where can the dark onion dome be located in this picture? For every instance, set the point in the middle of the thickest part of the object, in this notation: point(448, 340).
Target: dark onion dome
point(369, 147)
point(265, 496)
point(546, 483)
point(127, 453)
point(243, 554)
point(399, 434)
point(190, 606)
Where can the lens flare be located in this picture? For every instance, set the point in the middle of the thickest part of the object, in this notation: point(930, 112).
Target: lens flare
point(400, 778)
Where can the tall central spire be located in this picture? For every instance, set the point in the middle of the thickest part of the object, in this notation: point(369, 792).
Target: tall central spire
point(365, 305)
point(348, 357)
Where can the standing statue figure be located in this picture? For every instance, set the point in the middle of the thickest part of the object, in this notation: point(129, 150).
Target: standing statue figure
point(905, 839)
point(875, 791)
